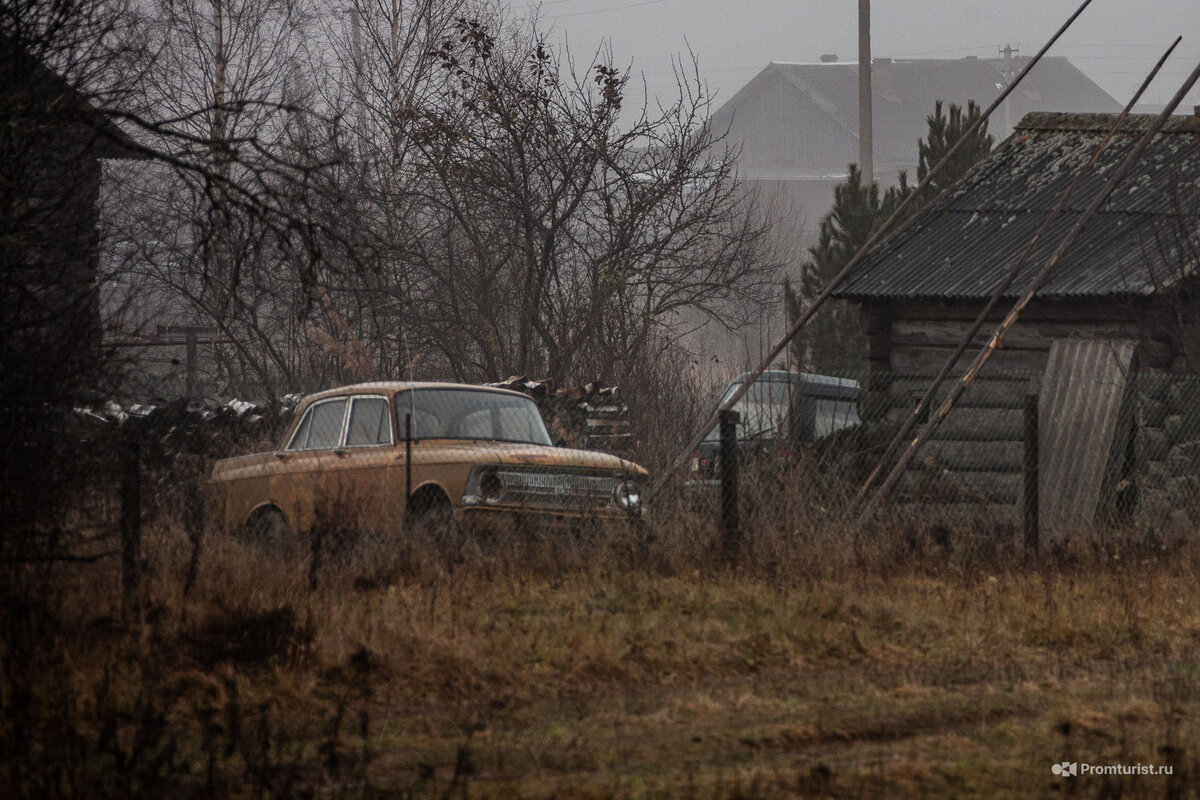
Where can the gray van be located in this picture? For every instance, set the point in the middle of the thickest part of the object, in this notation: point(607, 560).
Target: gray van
point(780, 413)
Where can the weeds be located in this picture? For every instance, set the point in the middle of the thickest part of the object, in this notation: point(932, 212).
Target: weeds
point(623, 663)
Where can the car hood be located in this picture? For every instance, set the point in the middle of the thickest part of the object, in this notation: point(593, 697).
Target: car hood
point(518, 453)
point(444, 451)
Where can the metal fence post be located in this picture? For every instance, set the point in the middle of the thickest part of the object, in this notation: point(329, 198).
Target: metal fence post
point(131, 517)
point(1030, 509)
point(731, 534)
point(194, 498)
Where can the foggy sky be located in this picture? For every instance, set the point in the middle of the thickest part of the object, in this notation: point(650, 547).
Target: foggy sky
point(1115, 42)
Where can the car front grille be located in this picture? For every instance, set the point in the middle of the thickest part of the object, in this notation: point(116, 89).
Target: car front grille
point(557, 490)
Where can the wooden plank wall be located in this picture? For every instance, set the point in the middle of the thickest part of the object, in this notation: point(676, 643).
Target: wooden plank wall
point(975, 459)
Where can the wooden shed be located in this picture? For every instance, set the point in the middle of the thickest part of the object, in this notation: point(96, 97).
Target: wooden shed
point(50, 174)
point(1111, 344)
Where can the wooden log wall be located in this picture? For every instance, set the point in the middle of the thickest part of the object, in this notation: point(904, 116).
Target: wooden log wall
point(1166, 452)
point(976, 457)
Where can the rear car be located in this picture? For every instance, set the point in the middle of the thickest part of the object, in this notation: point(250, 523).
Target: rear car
point(780, 413)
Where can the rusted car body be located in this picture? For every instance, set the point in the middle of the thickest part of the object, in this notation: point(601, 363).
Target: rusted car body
point(480, 459)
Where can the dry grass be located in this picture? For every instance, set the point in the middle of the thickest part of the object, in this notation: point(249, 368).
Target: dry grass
point(896, 662)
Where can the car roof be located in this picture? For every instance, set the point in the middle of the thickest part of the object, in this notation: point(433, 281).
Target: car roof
point(810, 378)
point(391, 387)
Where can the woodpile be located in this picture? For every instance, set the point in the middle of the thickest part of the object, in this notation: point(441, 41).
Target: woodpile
point(588, 417)
point(208, 428)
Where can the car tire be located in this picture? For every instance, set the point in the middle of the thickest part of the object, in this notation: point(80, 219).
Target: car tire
point(267, 529)
point(437, 522)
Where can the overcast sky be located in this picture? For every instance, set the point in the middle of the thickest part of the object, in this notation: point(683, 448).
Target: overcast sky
point(1115, 42)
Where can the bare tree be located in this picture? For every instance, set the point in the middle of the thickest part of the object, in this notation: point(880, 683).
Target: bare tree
point(380, 62)
point(359, 190)
point(559, 239)
point(73, 75)
point(222, 218)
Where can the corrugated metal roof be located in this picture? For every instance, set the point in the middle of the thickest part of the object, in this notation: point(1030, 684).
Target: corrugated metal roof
point(962, 246)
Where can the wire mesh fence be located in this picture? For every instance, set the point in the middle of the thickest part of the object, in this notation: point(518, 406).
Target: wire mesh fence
point(1014, 453)
point(1164, 485)
point(434, 470)
point(461, 467)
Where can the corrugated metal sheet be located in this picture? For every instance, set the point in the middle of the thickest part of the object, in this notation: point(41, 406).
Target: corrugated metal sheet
point(1080, 423)
point(962, 246)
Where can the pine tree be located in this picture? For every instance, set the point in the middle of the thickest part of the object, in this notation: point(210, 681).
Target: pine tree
point(944, 131)
point(832, 340)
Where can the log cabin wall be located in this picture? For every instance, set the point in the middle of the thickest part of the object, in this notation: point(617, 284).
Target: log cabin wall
point(1131, 275)
point(974, 462)
point(1166, 449)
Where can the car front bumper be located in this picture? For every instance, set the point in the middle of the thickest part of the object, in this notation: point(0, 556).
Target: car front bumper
point(499, 519)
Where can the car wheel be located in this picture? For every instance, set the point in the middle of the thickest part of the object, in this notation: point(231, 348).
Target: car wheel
point(267, 529)
point(437, 522)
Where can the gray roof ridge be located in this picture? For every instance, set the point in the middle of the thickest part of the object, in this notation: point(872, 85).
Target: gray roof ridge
point(823, 102)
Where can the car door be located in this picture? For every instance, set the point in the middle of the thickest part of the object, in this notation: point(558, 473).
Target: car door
point(298, 484)
point(363, 479)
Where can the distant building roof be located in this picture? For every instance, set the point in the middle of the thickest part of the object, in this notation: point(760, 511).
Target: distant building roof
point(801, 119)
point(1139, 242)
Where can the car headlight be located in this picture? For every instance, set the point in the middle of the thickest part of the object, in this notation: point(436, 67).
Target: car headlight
point(628, 494)
point(491, 488)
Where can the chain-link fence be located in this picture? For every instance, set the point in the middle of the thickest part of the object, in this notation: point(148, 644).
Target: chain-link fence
point(438, 467)
point(1163, 479)
point(455, 466)
point(1018, 453)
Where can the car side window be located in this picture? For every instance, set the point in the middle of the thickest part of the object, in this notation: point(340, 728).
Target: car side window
point(370, 422)
point(833, 415)
point(321, 428)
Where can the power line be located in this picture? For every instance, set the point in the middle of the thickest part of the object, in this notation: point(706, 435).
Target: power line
point(606, 10)
point(539, 5)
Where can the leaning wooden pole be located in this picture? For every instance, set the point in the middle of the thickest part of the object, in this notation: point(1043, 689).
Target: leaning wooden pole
point(876, 237)
point(998, 335)
point(926, 400)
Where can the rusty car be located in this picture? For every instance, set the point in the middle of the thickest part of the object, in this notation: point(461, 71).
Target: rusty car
point(435, 455)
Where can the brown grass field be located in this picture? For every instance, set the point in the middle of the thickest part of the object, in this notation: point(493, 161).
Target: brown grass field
point(830, 664)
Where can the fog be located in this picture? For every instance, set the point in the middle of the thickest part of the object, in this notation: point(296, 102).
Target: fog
point(1115, 42)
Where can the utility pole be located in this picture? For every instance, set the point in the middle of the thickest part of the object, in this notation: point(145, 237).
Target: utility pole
point(191, 332)
point(866, 160)
point(1007, 51)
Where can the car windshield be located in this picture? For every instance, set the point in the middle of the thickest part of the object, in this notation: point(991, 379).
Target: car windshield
point(763, 409)
point(474, 414)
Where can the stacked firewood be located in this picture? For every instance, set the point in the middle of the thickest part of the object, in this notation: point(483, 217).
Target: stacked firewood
point(208, 428)
point(588, 417)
